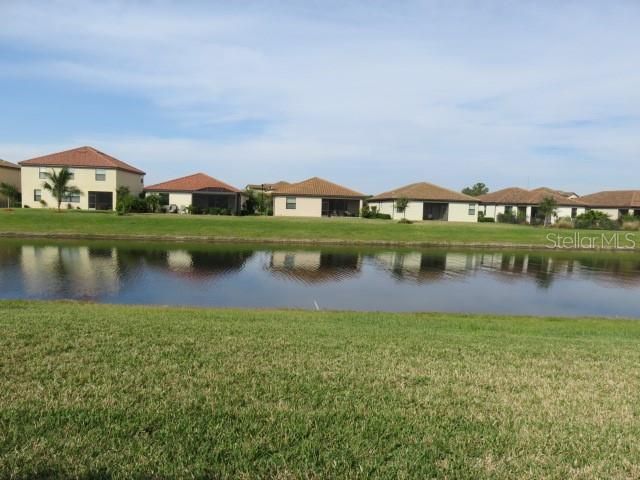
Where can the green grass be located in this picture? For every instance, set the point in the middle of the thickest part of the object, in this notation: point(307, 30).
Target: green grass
point(337, 230)
point(95, 391)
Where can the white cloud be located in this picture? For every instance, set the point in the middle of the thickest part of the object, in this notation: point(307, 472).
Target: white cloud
point(371, 95)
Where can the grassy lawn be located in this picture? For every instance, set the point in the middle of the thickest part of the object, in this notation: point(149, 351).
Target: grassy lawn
point(33, 221)
point(98, 391)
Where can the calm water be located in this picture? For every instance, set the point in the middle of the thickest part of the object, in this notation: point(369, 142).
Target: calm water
point(332, 278)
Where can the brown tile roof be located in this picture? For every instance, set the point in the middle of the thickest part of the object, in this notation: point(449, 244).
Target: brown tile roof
point(5, 164)
point(424, 191)
point(80, 157)
point(317, 187)
point(192, 183)
point(614, 199)
point(520, 196)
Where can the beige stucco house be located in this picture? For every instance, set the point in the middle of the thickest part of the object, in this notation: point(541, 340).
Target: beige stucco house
point(197, 190)
point(525, 203)
point(95, 173)
point(427, 202)
point(615, 203)
point(9, 174)
point(316, 197)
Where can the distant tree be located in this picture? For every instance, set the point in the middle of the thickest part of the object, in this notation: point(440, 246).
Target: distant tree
point(11, 192)
point(58, 185)
point(153, 202)
point(401, 206)
point(547, 209)
point(476, 190)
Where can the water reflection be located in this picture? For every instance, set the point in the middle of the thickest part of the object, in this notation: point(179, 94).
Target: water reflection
point(514, 282)
point(314, 266)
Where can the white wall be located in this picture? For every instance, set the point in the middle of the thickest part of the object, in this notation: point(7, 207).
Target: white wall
point(612, 213)
point(305, 207)
point(457, 212)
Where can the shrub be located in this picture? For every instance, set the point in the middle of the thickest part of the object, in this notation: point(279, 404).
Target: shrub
point(565, 222)
point(631, 225)
point(405, 221)
point(484, 219)
point(507, 217)
point(596, 220)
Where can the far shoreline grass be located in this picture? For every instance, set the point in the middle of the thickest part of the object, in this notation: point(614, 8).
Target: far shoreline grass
point(105, 391)
point(35, 223)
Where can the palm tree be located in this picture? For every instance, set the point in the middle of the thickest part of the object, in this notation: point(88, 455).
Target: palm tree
point(11, 192)
point(58, 185)
point(546, 209)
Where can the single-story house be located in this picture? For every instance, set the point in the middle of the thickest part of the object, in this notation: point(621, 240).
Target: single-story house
point(197, 190)
point(96, 174)
point(614, 203)
point(525, 203)
point(316, 197)
point(427, 202)
point(9, 174)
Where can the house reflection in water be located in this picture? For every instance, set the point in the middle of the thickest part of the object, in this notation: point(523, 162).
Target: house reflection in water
point(71, 272)
point(422, 267)
point(198, 264)
point(314, 266)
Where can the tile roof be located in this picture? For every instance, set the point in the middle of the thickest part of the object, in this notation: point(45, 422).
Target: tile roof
point(5, 164)
point(80, 157)
point(318, 187)
point(613, 198)
point(520, 196)
point(193, 183)
point(424, 191)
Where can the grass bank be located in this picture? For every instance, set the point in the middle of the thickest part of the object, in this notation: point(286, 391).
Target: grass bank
point(97, 391)
point(73, 224)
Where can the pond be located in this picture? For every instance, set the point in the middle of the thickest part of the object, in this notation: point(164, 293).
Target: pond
point(541, 283)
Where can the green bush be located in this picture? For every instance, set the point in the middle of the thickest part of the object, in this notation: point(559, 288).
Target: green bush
point(595, 220)
point(405, 221)
point(507, 217)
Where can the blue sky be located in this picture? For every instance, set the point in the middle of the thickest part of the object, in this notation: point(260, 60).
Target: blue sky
point(370, 94)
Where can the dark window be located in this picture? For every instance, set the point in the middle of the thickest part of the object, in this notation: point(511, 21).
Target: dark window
point(37, 195)
point(101, 175)
point(164, 199)
point(291, 203)
point(574, 212)
point(508, 209)
point(101, 200)
point(71, 199)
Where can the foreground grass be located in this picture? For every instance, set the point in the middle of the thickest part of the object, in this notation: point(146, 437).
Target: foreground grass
point(34, 221)
point(97, 391)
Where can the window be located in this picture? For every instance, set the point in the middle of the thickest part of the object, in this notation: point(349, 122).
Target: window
point(37, 195)
point(71, 198)
point(472, 209)
point(101, 175)
point(291, 203)
point(574, 212)
point(508, 209)
point(42, 173)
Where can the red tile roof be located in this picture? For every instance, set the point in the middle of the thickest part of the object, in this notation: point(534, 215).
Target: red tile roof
point(87, 157)
point(520, 196)
point(317, 187)
point(193, 183)
point(424, 191)
point(5, 164)
point(613, 199)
